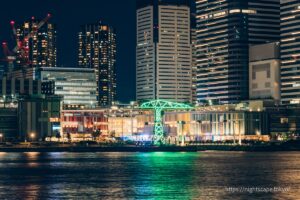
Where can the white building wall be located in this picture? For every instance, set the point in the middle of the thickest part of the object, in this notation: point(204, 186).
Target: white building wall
point(163, 68)
point(264, 80)
point(145, 55)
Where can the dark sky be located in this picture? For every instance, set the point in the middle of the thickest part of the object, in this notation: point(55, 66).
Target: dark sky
point(69, 15)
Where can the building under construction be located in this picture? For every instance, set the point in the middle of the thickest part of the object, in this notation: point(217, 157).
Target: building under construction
point(34, 44)
point(40, 47)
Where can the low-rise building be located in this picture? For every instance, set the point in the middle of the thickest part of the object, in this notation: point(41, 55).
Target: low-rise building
point(253, 120)
point(8, 119)
point(38, 117)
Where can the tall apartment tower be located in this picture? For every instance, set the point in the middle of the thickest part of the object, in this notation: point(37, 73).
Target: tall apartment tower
point(97, 50)
point(290, 51)
point(225, 29)
point(163, 51)
point(41, 48)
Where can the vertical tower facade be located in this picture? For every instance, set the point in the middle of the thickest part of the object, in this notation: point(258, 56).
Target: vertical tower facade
point(163, 51)
point(97, 50)
point(40, 50)
point(290, 51)
point(225, 29)
point(194, 58)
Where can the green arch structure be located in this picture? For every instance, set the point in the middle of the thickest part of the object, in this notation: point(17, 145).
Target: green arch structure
point(159, 106)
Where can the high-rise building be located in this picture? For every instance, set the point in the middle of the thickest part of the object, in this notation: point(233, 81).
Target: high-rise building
point(194, 58)
point(163, 51)
point(225, 29)
point(97, 50)
point(290, 51)
point(40, 49)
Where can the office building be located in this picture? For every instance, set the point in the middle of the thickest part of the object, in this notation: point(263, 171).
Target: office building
point(77, 86)
point(40, 49)
point(97, 50)
point(264, 71)
point(290, 51)
point(163, 50)
point(225, 29)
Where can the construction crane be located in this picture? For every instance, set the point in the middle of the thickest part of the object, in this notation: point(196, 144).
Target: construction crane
point(22, 47)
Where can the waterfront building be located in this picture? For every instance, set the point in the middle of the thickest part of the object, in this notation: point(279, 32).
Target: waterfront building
point(80, 123)
point(252, 120)
point(123, 126)
point(38, 117)
point(264, 71)
point(41, 48)
point(118, 121)
point(97, 50)
point(8, 119)
point(214, 123)
point(290, 51)
point(163, 50)
point(122, 120)
point(225, 29)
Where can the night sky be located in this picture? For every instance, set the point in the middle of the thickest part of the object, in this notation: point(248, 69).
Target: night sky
point(68, 15)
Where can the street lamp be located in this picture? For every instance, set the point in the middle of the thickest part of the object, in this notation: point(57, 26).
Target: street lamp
point(1, 136)
point(32, 136)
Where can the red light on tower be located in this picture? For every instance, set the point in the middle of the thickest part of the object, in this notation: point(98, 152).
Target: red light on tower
point(49, 15)
point(12, 22)
point(32, 17)
point(4, 43)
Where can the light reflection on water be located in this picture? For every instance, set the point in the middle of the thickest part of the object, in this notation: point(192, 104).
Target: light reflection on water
point(147, 175)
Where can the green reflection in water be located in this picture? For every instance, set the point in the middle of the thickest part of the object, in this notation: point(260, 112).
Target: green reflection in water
point(166, 176)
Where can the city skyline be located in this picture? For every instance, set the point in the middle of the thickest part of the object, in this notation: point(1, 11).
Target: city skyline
point(68, 26)
point(99, 99)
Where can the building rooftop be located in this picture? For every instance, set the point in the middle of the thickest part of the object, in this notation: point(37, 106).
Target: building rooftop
point(67, 69)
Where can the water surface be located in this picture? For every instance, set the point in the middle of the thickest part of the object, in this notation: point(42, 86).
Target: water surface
point(206, 175)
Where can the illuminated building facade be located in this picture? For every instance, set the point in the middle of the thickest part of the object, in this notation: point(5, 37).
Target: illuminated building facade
point(225, 29)
point(77, 86)
point(253, 120)
point(163, 51)
point(97, 50)
point(290, 51)
point(41, 46)
point(80, 123)
point(116, 121)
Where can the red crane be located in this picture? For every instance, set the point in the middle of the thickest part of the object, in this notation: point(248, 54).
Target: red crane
point(21, 45)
